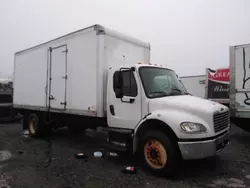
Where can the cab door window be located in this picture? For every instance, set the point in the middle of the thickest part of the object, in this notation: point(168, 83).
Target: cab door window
point(129, 83)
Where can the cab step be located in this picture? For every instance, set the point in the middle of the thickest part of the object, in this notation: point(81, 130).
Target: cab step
point(117, 130)
point(116, 146)
point(118, 139)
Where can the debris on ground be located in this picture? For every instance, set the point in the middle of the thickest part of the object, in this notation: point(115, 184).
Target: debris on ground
point(129, 170)
point(5, 155)
point(26, 133)
point(98, 154)
point(112, 154)
point(102, 154)
point(81, 155)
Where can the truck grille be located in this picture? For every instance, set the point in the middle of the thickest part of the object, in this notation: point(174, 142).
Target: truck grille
point(221, 121)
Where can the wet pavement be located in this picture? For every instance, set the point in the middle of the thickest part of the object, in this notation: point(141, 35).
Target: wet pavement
point(51, 162)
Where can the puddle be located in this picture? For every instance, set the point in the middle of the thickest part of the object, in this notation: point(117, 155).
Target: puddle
point(4, 155)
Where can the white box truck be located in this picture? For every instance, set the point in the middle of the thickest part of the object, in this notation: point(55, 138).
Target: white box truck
point(214, 85)
point(195, 85)
point(92, 78)
point(240, 85)
point(217, 85)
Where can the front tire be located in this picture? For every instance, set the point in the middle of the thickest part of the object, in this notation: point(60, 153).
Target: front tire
point(159, 154)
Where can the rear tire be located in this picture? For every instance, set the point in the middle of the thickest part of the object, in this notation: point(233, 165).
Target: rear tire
point(36, 126)
point(159, 154)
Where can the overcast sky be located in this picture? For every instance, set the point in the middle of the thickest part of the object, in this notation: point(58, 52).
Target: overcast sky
point(186, 35)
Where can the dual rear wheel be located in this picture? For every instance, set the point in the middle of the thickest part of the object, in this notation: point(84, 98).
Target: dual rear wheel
point(37, 126)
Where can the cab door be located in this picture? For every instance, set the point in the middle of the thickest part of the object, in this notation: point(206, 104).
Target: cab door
point(124, 110)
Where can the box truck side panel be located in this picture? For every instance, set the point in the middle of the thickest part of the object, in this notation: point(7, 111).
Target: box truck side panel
point(81, 71)
point(195, 85)
point(120, 52)
point(66, 74)
point(69, 73)
point(30, 77)
point(240, 79)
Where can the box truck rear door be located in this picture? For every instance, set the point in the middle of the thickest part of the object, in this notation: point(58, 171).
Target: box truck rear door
point(58, 76)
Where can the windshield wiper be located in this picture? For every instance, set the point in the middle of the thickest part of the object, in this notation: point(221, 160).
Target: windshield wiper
point(181, 91)
point(176, 89)
point(160, 92)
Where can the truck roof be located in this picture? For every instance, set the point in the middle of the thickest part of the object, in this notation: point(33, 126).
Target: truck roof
point(152, 65)
point(192, 76)
point(99, 30)
point(241, 45)
point(5, 80)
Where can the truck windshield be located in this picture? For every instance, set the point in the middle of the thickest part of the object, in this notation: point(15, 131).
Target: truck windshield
point(160, 82)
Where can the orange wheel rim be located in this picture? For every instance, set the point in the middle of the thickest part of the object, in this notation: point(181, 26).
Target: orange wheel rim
point(155, 154)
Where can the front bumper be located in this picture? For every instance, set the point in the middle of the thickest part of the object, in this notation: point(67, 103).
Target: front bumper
point(204, 148)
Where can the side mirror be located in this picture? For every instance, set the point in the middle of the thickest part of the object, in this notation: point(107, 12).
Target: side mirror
point(118, 84)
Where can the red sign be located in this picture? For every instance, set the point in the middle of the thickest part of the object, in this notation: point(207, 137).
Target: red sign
point(221, 75)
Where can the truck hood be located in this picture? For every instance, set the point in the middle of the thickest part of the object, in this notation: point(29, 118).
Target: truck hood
point(186, 103)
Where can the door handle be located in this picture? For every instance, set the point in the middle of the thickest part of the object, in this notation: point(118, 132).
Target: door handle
point(112, 110)
point(65, 77)
point(127, 100)
point(131, 100)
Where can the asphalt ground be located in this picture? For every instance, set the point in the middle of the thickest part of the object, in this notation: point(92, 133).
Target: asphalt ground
point(51, 162)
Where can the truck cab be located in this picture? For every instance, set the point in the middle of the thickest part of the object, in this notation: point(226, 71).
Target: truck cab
point(167, 123)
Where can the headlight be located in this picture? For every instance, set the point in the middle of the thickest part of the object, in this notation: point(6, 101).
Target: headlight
point(189, 127)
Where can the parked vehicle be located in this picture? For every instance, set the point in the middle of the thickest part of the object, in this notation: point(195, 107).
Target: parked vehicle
point(214, 85)
point(91, 78)
point(217, 85)
point(6, 110)
point(195, 85)
point(239, 85)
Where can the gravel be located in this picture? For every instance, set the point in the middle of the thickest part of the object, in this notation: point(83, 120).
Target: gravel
point(51, 162)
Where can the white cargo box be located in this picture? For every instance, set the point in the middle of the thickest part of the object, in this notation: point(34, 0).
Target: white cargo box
point(68, 74)
point(195, 85)
point(240, 81)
